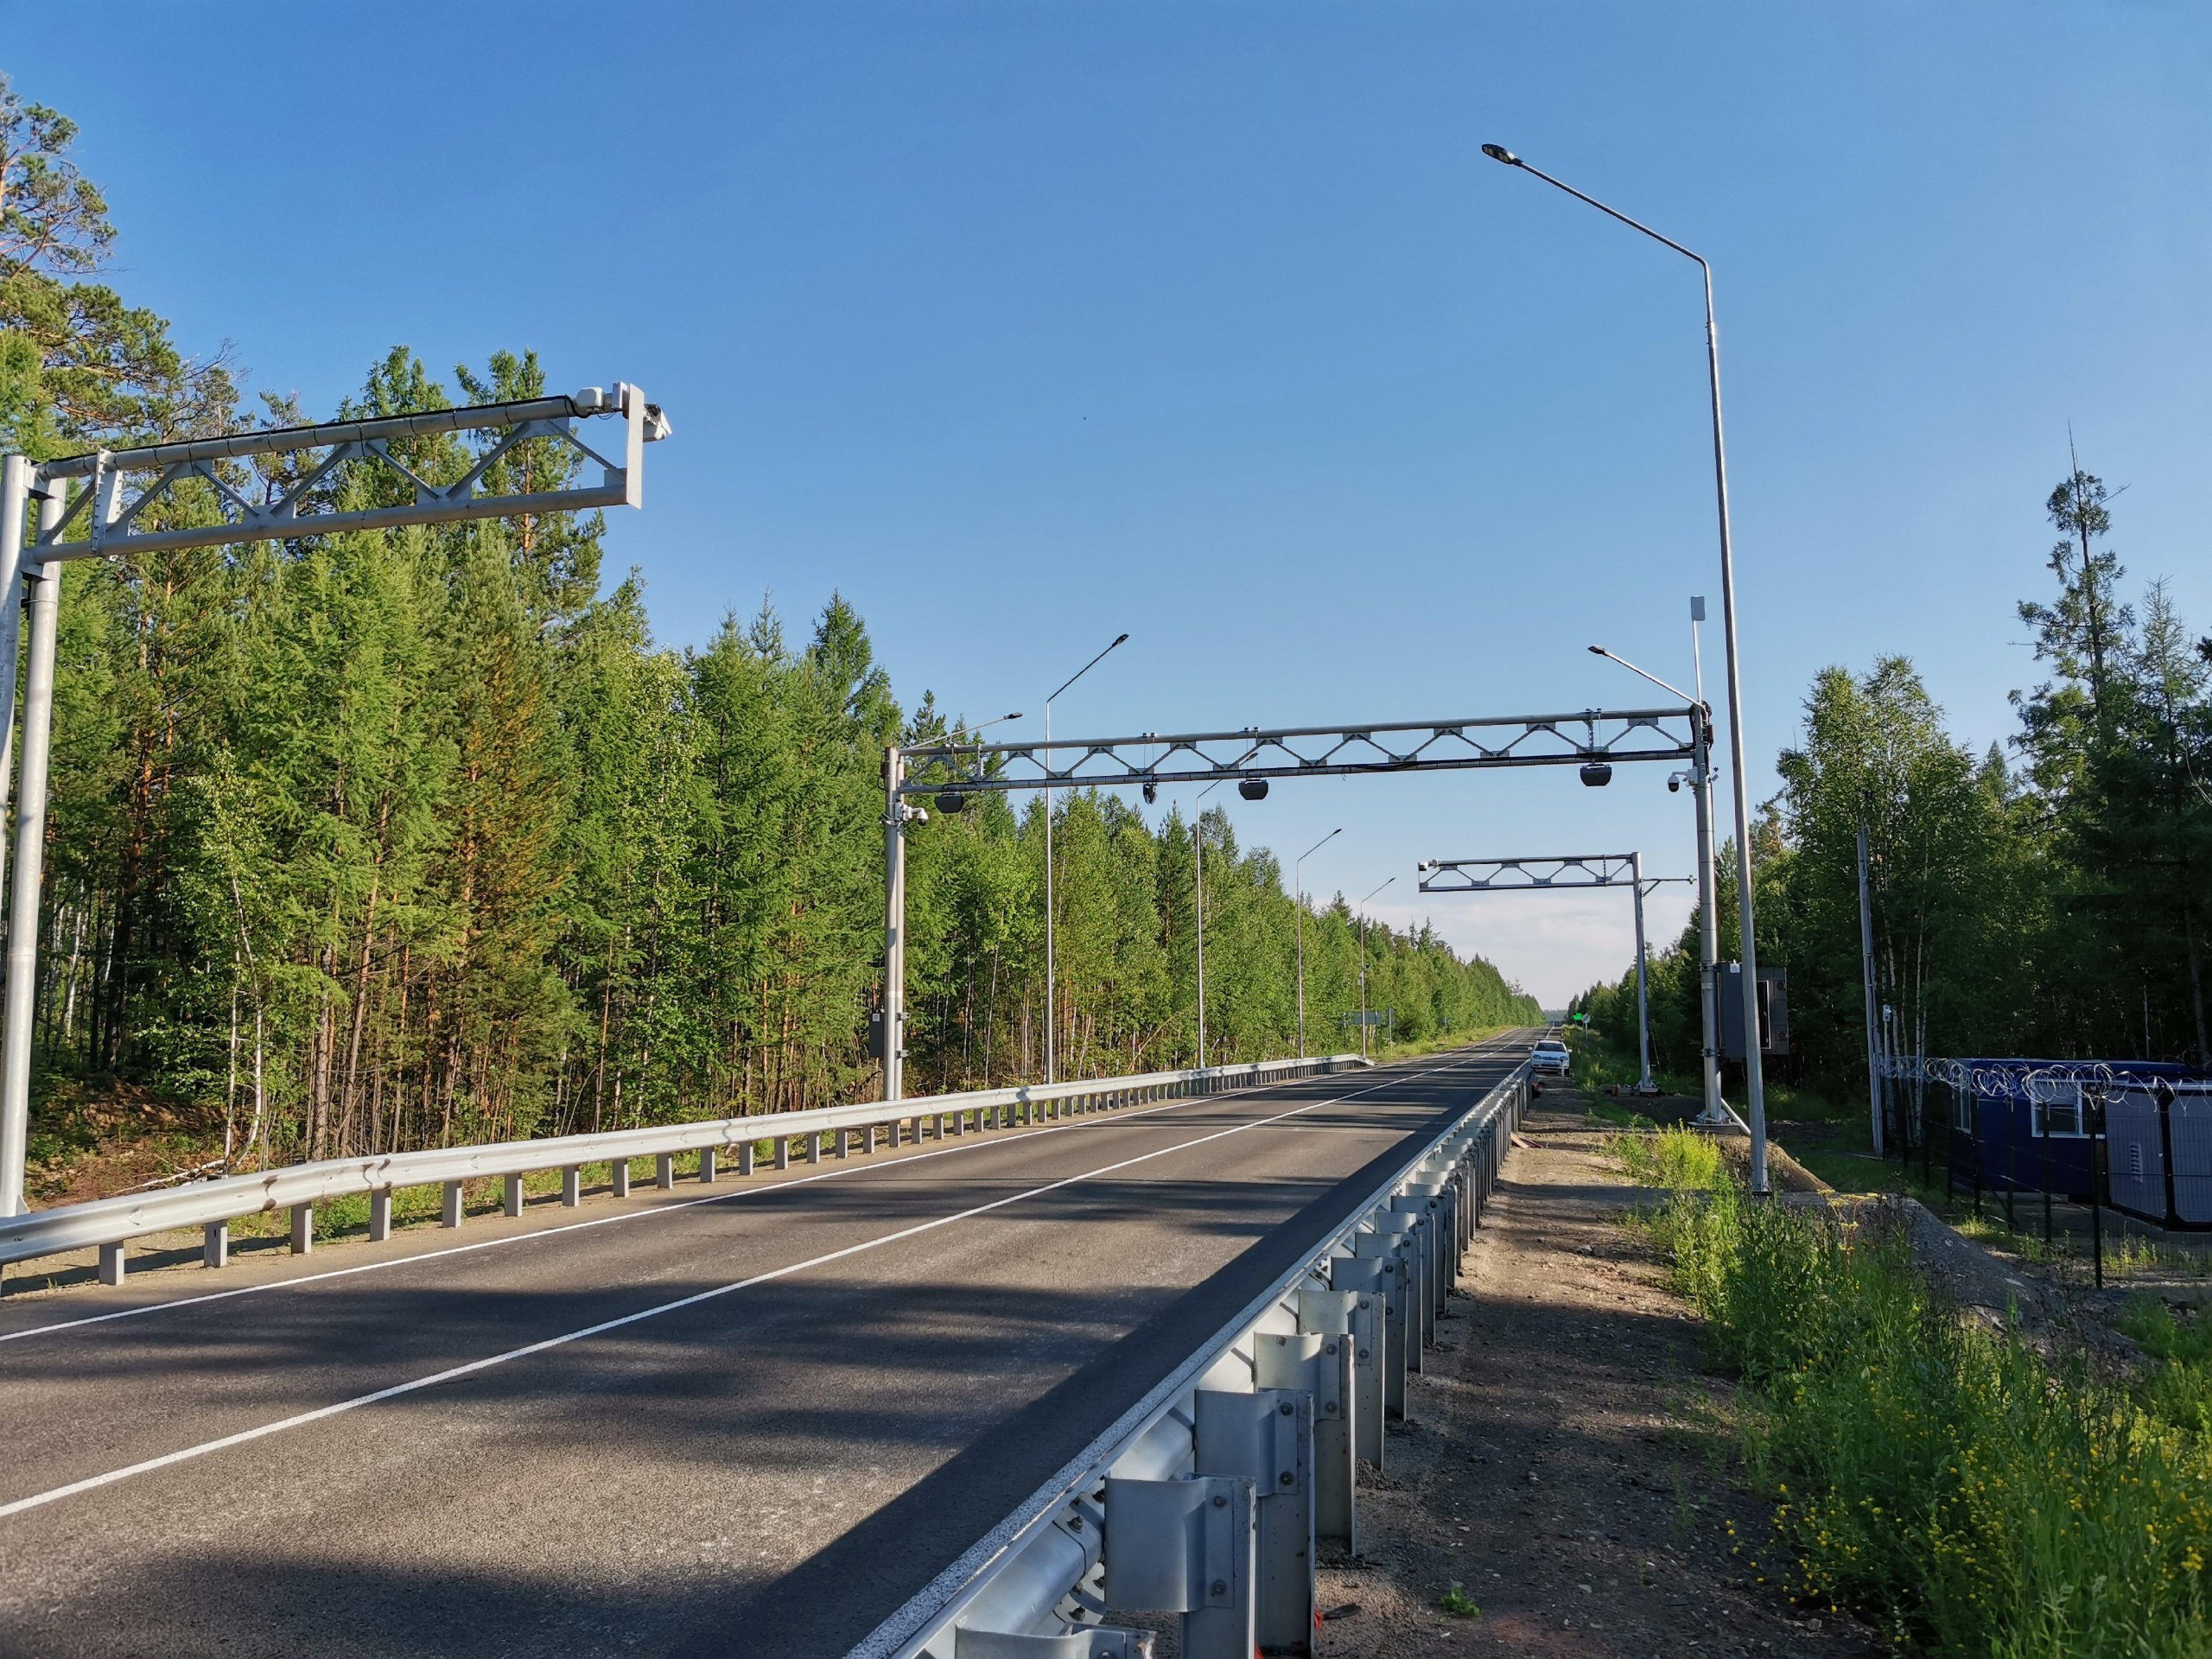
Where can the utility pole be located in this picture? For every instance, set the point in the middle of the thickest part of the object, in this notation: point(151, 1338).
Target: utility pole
point(1362, 968)
point(1051, 988)
point(1866, 973)
point(1298, 880)
point(896, 812)
point(1644, 1085)
point(1709, 967)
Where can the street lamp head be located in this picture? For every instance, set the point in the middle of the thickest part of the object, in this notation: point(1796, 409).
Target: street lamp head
point(1598, 650)
point(1500, 153)
point(1119, 638)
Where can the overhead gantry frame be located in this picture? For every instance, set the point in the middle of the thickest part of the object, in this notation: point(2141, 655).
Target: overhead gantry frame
point(207, 493)
point(948, 772)
point(1567, 871)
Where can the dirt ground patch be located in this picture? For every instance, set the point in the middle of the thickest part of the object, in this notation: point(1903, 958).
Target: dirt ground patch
point(1569, 1463)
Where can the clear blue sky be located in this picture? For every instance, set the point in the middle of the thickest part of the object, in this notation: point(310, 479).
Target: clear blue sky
point(1025, 323)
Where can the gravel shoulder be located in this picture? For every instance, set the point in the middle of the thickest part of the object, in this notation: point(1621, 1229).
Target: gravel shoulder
point(1571, 1460)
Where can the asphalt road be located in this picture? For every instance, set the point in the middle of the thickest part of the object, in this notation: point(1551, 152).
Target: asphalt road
point(748, 1419)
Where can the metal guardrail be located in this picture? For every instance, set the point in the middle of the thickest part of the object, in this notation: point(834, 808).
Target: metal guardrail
point(1206, 1496)
point(111, 1223)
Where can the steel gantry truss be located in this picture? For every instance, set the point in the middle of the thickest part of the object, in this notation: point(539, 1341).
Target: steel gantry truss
point(1563, 872)
point(1594, 738)
point(947, 771)
point(208, 492)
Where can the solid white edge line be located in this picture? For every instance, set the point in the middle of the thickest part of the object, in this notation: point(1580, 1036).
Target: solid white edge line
point(452, 1373)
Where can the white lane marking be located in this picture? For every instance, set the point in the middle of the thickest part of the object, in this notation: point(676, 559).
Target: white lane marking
point(452, 1373)
point(670, 1208)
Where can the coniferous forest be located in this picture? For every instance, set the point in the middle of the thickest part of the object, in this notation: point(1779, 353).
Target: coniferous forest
point(393, 839)
point(2045, 897)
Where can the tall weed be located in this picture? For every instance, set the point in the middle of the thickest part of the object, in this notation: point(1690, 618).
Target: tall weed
point(1960, 1491)
point(1681, 1159)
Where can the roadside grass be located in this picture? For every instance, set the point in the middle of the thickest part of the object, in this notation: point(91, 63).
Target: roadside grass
point(2177, 1386)
point(1964, 1494)
point(1599, 1067)
point(1681, 1159)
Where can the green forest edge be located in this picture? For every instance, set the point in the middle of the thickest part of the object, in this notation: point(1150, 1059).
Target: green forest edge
point(1962, 1492)
point(381, 841)
point(2044, 897)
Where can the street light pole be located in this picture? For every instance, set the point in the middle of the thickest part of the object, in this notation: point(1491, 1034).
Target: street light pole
point(1644, 1085)
point(1754, 1069)
point(1051, 1009)
point(897, 815)
point(1298, 882)
point(1363, 969)
point(1198, 905)
point(1716, 1110)
point(1701, 779)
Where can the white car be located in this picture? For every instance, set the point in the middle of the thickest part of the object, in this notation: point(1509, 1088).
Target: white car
point(1549, 1058)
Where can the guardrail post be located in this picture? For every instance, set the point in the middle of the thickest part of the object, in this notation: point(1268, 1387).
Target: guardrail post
point(783, 1152)
point(572, 1185)
point(813, 1138)
point(1423, 1211)
point(112, 1264)
point(618, 1177)
point(1395, 1237)
point(1377, 1348)
point(215, 1244)
point(511, 1198)
point(745, 1157)
point(707, 1165)
point(1382, 1275)
point(379, 1214)
point(303, 1228)
point(1266, 1438)
point(1320, 1364)
point(664, 1172)
point(450, 1215)
point(1185, 1546)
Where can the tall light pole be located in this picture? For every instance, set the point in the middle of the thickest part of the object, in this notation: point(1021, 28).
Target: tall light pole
point(891, 1017)
point(1700, 781)
point(1199, 906)
point(1051, 1008)
point(1298, 882)
point(1754, 1069)
point(1363, 969)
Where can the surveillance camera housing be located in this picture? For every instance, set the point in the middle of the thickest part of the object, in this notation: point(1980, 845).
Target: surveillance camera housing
point(951, 800)
point(1252, 789)
point(1674, 783)
point(1596, 775)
